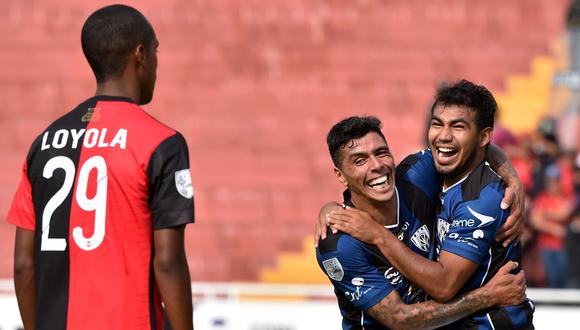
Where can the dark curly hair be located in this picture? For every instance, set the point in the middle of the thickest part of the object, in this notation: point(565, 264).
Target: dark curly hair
point(349, 129)
point(467, 94)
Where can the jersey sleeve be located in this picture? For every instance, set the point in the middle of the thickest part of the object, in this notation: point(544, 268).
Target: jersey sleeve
point(21, 211)
point(419, 169)
point(474, 225)
point(352, 275)
point(170, 188)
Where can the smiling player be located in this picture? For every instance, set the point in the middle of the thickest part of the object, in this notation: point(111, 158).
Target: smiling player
point(371, 293)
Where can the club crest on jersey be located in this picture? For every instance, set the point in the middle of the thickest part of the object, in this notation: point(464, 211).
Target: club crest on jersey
point(93, 114)
point(442, 229)
point(333, 269)
point(421, 238)
point(183, 183)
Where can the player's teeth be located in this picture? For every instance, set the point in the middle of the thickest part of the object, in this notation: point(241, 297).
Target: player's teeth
point(377, 181)
point(445, 149)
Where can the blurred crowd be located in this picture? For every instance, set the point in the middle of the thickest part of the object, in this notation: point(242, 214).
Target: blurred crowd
point(551, 174)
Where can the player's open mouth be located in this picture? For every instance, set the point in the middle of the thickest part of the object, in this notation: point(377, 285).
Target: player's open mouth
point(380, 183)
point(446, 154)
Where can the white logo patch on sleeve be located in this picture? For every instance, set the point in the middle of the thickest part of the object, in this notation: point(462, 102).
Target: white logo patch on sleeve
point(333, 269)
point(183, 183)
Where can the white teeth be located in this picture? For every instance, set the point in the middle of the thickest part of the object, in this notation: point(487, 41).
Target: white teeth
point(378, 181)
point(445, 149)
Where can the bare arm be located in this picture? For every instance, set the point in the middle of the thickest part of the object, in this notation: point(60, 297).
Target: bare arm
point(440, 279)
point(503, 289)
point(172, 276)
point(24, 281)
point(515, 195)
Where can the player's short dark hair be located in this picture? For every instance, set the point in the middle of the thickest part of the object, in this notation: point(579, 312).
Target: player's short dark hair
point(467, 94)
point(110, 34)
point(349, 129)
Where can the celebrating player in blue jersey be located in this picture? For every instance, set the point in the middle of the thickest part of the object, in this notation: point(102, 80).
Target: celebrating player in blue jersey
point(371, 293)
point(465, 254)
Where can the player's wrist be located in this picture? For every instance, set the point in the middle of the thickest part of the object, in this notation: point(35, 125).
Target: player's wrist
point(487, 298)
point(381, 238)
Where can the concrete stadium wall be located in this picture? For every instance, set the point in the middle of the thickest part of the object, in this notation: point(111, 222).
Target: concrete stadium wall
point(255, 85)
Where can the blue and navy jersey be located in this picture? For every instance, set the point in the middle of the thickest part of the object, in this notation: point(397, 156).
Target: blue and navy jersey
point(361, 275)
point(468, 219)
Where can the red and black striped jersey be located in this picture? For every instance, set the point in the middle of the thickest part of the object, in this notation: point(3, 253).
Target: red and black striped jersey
point(95, 185)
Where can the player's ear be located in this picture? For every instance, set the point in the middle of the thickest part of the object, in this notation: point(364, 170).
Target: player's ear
point(485, 136)
point(340, 176)
point(140, 54)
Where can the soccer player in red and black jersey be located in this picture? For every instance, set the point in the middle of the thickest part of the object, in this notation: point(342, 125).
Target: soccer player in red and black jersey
point(104, 198)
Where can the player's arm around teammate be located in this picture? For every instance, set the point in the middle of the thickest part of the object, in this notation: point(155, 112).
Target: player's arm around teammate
point(503, 289)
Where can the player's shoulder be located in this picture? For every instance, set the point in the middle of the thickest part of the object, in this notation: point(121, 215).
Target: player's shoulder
point(68, 120)
point(482, 183)
point(421, 160)
point(418, 169)
point(485, 206)
point(339, 243)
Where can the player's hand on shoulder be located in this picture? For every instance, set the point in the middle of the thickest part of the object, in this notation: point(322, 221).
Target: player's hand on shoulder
point(356, 223)
point(505, 288)
point(321, 222)
point(515, 200)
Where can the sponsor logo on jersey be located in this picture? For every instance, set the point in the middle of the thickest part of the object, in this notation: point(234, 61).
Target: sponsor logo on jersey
point(183, 183)
point(453, 236)
point(469, 241)
point(393, 276)
point(463, 223)
point(478, 234)
point(333, 269)
point(401, 234)
point(421, 238)
point(414, 295)
point(357, 281)
point(93, 114)
point(358, 293)
point(485, 219)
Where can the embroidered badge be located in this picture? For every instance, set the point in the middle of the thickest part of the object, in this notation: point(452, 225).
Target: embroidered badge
point(183, 183)
point(93, 114)
point(421, 238)
point(333, 269)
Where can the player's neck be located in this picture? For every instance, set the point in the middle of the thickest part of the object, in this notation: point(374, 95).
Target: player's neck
point(118, 87)
point(383, 212)
point(452, 179)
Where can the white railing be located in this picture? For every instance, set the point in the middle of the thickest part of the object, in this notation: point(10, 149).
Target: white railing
point(236, 291)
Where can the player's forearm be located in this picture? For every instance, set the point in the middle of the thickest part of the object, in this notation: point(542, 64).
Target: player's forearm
point(500, 162)
point(175, 287)
point(397, 315)
point(25, 287)
point(428, 275)
point(24, 277)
